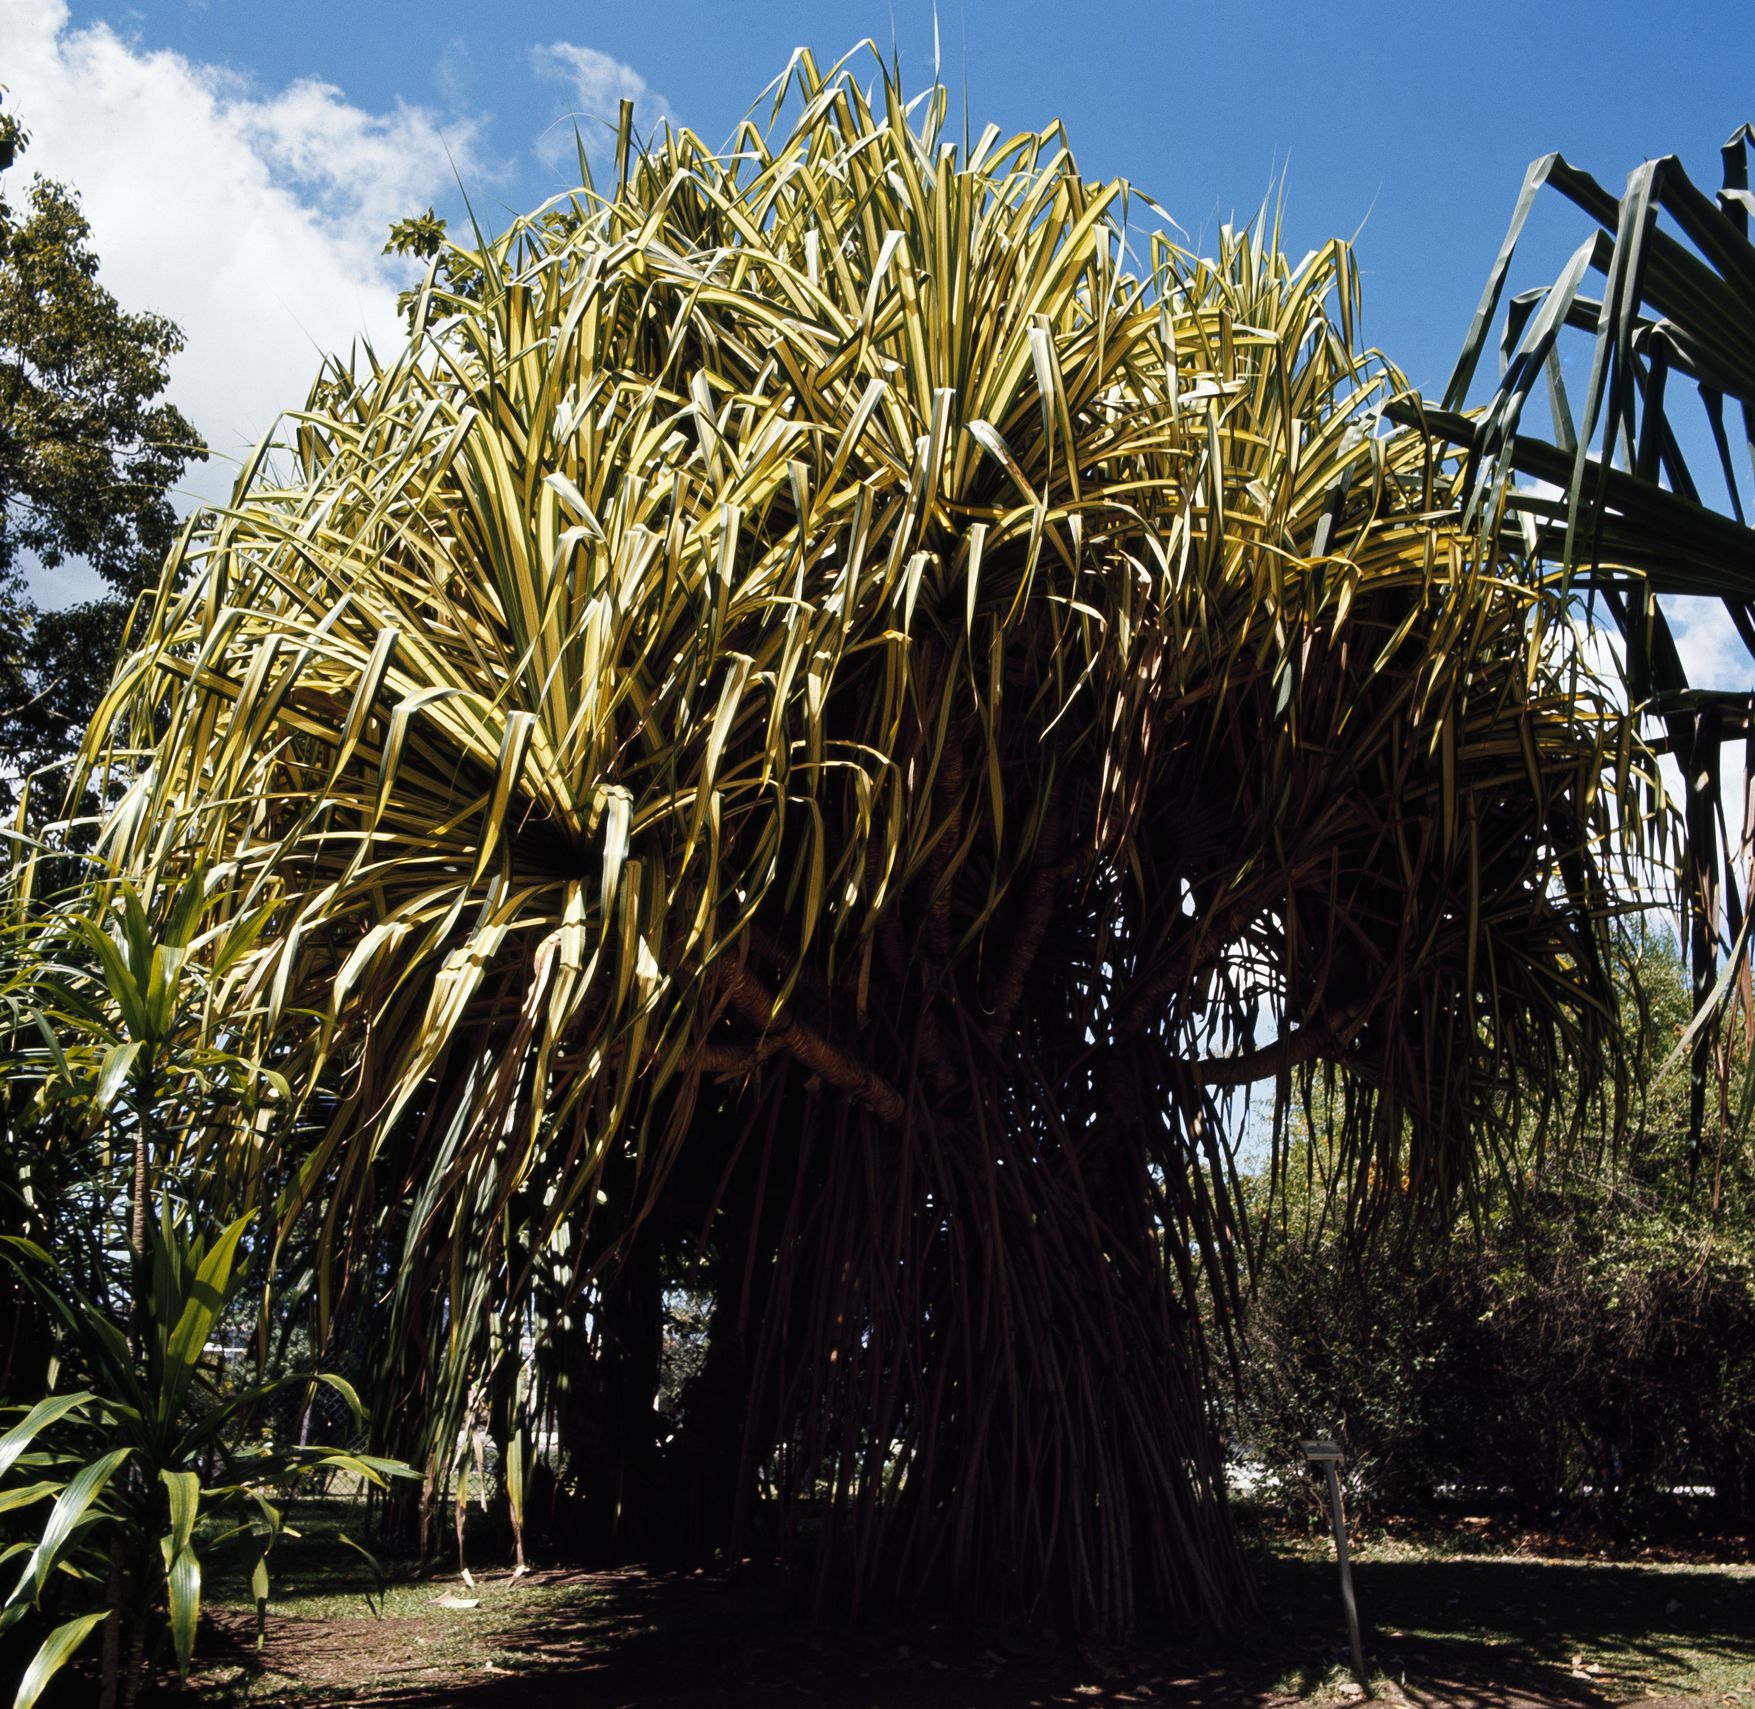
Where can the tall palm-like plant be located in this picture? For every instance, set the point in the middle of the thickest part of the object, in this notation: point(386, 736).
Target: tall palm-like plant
point(1671, 333)
point(818, 691)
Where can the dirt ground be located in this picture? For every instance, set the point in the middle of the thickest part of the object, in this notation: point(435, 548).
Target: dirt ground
point(637, 1639)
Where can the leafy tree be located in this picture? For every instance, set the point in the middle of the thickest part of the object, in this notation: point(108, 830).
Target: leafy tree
point(1584, 1344)
point(809, 710)
point(88, 458)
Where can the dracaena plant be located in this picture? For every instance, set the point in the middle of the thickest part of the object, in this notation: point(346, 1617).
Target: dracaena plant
point(126, 1457)
point(139, 1462)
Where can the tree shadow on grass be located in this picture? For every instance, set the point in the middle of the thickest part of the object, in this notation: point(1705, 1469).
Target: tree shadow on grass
point(1452, 1633)
point(663, 1640)
point(1480, 1631)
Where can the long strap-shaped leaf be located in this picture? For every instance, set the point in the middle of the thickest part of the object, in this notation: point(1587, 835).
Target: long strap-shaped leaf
point(1633, 515)
point(64, 1520)
point(47, 1411)
point(53, 1654)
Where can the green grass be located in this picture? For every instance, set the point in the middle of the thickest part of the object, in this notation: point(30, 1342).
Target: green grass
point(1561, 1630)
point(337, 1628)
point(1461, 1626)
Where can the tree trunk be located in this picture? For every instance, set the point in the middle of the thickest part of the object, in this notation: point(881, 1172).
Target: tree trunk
point(140, 1307)
point(984, 1379)
point(110, 1666)
point(609, 1425)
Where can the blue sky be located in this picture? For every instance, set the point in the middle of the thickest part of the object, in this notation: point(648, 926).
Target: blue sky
point(1410, 123)
point(240, 159)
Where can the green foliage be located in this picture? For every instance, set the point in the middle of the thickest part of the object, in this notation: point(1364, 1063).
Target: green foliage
point(131, 1458)
point(1615, 504)
point(111, 1039)
point(88, 458)
point(1586, 1345)
point(827, 685)
point(137, 1464)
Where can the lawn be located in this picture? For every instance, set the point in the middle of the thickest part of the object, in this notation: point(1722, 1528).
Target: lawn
point(1462, 1617)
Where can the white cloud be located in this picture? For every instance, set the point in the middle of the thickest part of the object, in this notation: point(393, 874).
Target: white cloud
point(363, 168)
point(596, 84)
point(254, 219)
point(1712, 651)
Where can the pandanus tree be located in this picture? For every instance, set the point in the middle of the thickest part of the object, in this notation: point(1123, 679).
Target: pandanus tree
point(824, 701)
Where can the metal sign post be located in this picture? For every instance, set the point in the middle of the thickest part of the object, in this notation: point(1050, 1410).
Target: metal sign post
point(1328, 1456)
